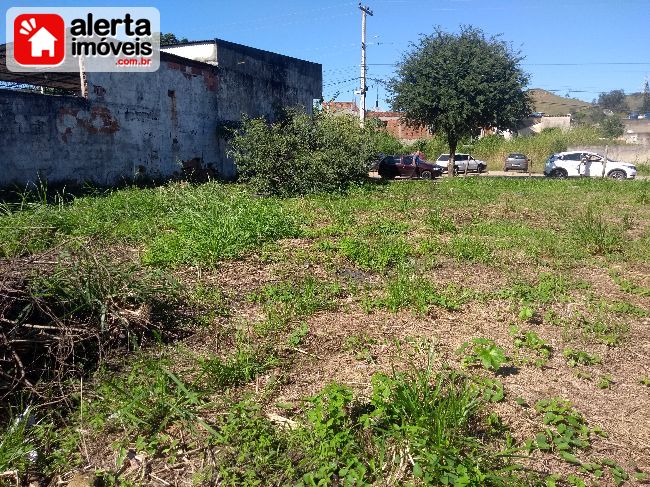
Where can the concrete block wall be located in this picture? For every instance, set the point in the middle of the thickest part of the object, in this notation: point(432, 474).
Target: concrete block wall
point(147, 124)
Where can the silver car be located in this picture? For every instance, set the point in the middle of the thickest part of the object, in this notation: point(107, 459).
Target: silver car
point(462, 161)
point(516, 162)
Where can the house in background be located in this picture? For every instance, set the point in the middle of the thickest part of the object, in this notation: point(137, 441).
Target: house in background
point(637, 131)
point(391, 120)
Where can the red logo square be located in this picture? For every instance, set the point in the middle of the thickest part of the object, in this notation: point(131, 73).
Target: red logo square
point(39, 39)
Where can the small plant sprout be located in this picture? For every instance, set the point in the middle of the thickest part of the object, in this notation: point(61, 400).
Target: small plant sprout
point(482, 352)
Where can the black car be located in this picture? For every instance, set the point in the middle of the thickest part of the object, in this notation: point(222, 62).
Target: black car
point(409, 166)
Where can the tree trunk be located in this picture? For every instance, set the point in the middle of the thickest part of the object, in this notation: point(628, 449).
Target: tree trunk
point(453, 143)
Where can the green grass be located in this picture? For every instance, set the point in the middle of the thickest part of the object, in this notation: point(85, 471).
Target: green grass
point(378, 247)
point(378, 255)
point(406, 291)
point(177, 224)
point(351, 441)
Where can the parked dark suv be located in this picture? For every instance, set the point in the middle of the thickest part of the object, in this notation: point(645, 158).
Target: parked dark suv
point(408, 166)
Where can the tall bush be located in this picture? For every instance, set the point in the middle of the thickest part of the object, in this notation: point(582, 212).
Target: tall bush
point(304, 153)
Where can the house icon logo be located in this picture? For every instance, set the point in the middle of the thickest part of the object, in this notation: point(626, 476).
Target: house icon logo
point(39, 39)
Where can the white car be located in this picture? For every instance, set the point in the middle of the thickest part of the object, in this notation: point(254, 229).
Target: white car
point(588, 164)
point(462, 161)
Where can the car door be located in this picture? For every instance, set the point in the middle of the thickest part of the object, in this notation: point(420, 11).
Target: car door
point(473, 165)
point(406, 167)
point(461, 162)
point(593, 165)
point(571, 162)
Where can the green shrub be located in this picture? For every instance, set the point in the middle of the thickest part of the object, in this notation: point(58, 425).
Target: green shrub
point(302, 153)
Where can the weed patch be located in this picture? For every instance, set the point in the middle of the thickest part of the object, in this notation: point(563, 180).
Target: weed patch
point(465, 248)
point(628, 286)
point(439, 223)
point(539, 351)
point(377, 255)
point(596, 235)
point(578, 357)
point(604, 330)
point(482, 352)
point(405, 291)
point(550, 288)
point(286, 301)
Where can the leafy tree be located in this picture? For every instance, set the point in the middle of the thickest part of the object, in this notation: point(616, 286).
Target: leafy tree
point(589, 116)
point(457, 83)
point(645, 102)
point(170, 39)
point(614, 100)
point(303, 153)
point(612, 127)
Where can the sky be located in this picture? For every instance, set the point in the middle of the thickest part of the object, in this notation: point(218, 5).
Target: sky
point(578, 48)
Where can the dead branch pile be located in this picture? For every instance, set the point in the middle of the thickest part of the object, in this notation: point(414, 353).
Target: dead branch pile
point(61, 314)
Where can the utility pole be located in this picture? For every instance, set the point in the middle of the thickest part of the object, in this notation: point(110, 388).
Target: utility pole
point(362, 109)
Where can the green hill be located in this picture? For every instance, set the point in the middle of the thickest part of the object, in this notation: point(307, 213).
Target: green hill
point(552, 104)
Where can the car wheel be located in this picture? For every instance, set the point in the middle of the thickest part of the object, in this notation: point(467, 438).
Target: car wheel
point(559, 174)
point(505, 169)
point(426, 175)
point(481, 168)
point(456, 171)
point(617, 174)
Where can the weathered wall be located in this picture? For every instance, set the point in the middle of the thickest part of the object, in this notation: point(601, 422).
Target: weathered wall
point(257, 82)
point(147, 123)
point(627, 153)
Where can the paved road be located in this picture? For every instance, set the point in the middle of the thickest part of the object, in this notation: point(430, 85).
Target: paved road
point(508, 174)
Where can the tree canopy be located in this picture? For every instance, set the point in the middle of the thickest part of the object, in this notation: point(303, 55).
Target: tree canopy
point(614, 100)
point(169, 39)
point(458, 83)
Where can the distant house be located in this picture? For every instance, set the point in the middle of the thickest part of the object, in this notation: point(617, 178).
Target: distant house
point(343, 107)
point(396, 127)
point(42, 41)
point(637, 131)
point(392, 120)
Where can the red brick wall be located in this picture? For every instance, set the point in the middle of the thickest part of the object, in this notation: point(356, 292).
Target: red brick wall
point(398, 128)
